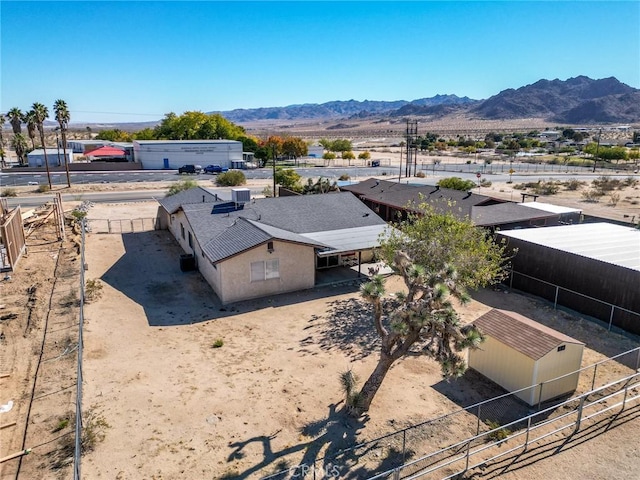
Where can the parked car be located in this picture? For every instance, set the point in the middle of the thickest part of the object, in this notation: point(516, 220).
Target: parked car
point(215, 169)
point(190, 169)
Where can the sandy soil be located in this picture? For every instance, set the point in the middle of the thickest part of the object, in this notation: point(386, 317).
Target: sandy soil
point(266, 399)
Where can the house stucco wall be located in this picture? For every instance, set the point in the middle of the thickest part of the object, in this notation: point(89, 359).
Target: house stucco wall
point(297, 272)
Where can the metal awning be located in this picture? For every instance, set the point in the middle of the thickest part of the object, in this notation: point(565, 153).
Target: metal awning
point(348, 239)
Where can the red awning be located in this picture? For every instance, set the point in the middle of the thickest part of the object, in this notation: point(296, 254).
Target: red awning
point(105, 151)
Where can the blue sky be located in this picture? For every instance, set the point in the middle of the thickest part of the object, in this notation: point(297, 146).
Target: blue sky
point(135, 61)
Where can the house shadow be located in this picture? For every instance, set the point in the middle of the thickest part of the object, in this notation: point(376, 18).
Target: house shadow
point(333, 451)
point(149, 273)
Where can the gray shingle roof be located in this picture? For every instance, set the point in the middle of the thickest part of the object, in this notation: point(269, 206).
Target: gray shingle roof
point(503, 213)
point(192, 196)
point(521, 333)
point(398, 195)
point(222, 235)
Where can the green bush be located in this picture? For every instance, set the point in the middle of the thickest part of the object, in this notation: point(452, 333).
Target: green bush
point(217, 343)
point(232, 178)
point(499, 434)
point(181, 186)
point(43, 188)
point(456, 183)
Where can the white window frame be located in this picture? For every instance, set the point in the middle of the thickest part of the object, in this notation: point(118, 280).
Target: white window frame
point(264, 270)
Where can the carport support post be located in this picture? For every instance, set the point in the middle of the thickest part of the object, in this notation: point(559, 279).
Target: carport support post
point(611, 317)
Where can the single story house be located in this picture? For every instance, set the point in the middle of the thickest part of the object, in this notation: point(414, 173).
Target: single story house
point(55, 157)
point(249, 248)
point(518, 353)
point(393, 201)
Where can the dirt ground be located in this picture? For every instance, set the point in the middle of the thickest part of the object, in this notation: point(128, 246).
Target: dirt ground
point(267, 398)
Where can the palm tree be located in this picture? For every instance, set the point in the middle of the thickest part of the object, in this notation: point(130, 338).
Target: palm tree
point(19, 144)
point(15, 118)
point(30, 119)
point(63, 117)
point(41, 114)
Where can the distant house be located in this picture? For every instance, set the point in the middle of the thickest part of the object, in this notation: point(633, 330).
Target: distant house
point(315, 151)
point(249, 248)
point(55, 157)
point(518, 353)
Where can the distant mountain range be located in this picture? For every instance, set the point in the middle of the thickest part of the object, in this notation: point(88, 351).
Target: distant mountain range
point(579, 100)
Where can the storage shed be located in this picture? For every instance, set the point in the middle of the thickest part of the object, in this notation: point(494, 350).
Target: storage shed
point(519, 353)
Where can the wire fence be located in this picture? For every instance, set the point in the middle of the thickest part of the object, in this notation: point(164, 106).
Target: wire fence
point(472, 429)
point(129, 225)
point(77, 451)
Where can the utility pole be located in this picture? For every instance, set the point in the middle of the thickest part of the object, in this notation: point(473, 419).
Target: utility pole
point(595, 159)
point(274, 151)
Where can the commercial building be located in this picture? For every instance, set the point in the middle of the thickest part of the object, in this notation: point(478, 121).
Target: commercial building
point(55, 157)
point(172, 154)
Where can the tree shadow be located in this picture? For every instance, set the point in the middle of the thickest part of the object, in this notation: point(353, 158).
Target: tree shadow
point(330, 435)
point(347, 326)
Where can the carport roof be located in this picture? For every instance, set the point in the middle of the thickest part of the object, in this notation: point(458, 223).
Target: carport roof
point(606, 242)
point(521, 333)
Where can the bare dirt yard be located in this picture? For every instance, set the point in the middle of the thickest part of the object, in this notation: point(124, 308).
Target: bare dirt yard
point(182, 388)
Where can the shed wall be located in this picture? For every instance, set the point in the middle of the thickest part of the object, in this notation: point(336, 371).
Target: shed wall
point(556, 364)
point(505, 366)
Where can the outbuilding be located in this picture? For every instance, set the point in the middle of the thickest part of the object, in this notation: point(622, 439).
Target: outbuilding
point(172, 154)
point(55, 157)
point(518, 353)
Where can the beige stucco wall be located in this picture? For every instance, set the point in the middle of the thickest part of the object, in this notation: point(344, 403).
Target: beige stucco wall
point(507, 367)
point(297, 272)
point(556, 364)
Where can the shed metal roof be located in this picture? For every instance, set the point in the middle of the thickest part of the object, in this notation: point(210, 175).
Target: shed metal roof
point(606, 242)
point(521, 333)
point(348, 239)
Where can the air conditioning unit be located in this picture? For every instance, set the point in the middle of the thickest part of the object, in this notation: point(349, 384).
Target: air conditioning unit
point(240, 195)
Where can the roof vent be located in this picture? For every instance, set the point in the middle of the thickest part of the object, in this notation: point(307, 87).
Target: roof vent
point(240, 195)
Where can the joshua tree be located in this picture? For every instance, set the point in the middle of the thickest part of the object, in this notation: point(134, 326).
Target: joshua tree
point(63, 117)
point(42, 113)
point(15, 118)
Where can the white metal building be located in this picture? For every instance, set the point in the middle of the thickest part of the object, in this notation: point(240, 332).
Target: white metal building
point(55, 157)
point(519, 353)
point(172, 154)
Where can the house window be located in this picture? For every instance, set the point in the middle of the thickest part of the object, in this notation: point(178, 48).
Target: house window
point(561, 348)
point(265, 270)
point(270, 247)
point(190, 240)
point(182, 230)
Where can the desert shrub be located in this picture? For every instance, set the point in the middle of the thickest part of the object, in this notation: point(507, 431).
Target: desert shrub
point(181, 186)
point(61, 425)
point(93, 432)
point(591, 195)
point(349, 385)
point(218, 342)
point(485, 183)
point(575, 162)
point(92, 290)
point(630, 182)
point(573, 184)
point(456, 183)
point(420, 175)
point(232, 178)
point(267, 191)
point(606, 184)
point(70, 300)
point(43, 188)
point(614, 198)
point(555, 161)
point(498, 434)
point(9, 192)
point(344, 177)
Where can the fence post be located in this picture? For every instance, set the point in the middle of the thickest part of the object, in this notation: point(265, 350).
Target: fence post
point(132, 226)
point(540, 395)
point(611, 317)
point(109, 225)
point(638, 360)
point(478, 424)
point(579, 419)
point(526, 439)
point(555, 300)
point(466, 464)
point(593, 381)
point(404, 443)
